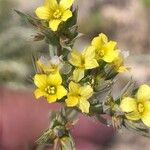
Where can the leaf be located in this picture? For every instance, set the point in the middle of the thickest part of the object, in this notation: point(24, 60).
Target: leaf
point(138, 128)
point(34, 21)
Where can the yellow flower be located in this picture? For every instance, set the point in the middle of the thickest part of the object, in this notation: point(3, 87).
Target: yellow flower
point(55, 12)
point(49, 66)
point(105, 50)
point(78, 96)
point(119, 64)
point(83, 61)
point(138, 108)
point(49, 86)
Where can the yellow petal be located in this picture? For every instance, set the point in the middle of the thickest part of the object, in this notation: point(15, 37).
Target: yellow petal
point(122, 69)
point(38, 93)
point(98, 41)
point(61, 92)
point(133, 115)
point(76, 58)
point(51, 4)
point(144, 92)
point(40, 80)
point(72, 101)
point(128, 104)
point(84, 105)
point(43, 13)
point(78, 74)
point(66, 15)
point(54, 79)
point(91, 63)
point(89, 52)
point(110, 56)
point(146, 105)
point(111, 45)
point(86, 91)
point(89, 56)
point(51, 98)
point(146, 118)
point(53, 24)
point(74, 88)
point(66, 4)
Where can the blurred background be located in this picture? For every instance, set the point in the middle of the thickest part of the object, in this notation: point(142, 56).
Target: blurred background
point(125, 21)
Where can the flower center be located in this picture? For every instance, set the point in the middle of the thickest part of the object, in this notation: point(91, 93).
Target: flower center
point(57, 14)
point(140, 108)
point(101, 52)
point(50, 90)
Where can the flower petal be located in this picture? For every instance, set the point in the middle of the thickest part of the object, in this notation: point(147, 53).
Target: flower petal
point(146, 105)
point(38, 93)
point(74, 88)
point(84, 105)
point(40, 80)
point(98, 41)
point(86, 91)
point(61, 92)
point(66, 15)
point(53, 24)
point(51, 4)
point(66, 4)
point(51, 98)
point(76, 58)
point(54, 79)
point(133, 115)
point(128, 105)
point(43, 13)
point(143, 92)
point(78, 74)
point(146, 118)
point(72, 101)
point(110, 56)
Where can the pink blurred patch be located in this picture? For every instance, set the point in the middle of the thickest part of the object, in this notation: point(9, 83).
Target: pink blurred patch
point(23, 119)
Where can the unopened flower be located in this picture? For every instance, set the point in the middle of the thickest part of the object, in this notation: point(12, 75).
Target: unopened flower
point(49, 86)
point(139, 107)
point(55, 12)
point(105, 50)
point(78, 96)
point(83, 61)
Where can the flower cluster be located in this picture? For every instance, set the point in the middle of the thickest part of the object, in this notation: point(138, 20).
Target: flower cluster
point(82, 80)
point(78, 92)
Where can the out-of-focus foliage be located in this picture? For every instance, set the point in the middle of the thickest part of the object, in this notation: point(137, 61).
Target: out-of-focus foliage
point(147, 3)
point(15, 51)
